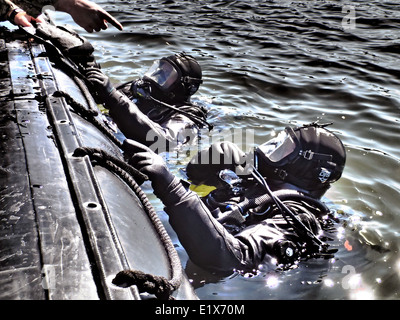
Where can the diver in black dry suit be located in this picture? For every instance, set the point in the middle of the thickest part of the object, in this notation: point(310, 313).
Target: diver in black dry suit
point(245, 221)
point(155, 110)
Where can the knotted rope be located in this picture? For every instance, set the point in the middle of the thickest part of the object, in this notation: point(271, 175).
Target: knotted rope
point(157, 285)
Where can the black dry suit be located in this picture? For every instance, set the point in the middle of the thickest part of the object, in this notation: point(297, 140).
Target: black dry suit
point(155, 110)
point(241, 229)
point(153, 122)
point(239, 225)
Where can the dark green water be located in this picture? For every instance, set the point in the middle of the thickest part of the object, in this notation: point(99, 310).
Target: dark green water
point(267, 64)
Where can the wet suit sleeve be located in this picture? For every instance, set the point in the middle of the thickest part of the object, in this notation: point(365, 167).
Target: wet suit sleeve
point(136, 125)
point(206, 241)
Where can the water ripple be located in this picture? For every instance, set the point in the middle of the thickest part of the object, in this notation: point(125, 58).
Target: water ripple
point(271, 63)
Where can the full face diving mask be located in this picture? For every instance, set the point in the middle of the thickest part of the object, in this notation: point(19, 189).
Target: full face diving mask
point(174, 78)
point(280, 150)
point(309, 157)
point(163, 73)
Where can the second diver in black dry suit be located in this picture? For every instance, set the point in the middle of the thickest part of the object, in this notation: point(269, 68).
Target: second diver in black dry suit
point(272, 212)
point(156, 109)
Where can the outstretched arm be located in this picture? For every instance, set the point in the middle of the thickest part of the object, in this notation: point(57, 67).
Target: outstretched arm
point(129, 119)
point(85, 13)
point(10, 11)
point(206, 241)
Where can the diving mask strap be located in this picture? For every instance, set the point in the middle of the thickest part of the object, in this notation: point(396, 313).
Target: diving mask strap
point(315, 156)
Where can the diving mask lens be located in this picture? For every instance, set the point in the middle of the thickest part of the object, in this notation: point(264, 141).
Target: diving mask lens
point(163, 73)
point(278, 149)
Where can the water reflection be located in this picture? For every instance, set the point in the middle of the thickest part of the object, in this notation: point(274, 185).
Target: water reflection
point(268, 64)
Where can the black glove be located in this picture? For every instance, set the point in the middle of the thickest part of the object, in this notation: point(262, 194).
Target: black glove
point(69, 42)
point(206, 165)
point(100, 83)
point(150, 164)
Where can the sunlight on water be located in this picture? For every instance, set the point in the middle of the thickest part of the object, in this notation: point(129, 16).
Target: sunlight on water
point(272, 282)
point(268, 64)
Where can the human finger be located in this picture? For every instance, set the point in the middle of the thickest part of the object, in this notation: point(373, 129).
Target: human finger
point(216, 148)
point(132, 147)
point(88, 29)
point(95, 76)
point(233, 152)
point(109, 18)
point(105, 25)
point(39, 19)
point(22, 19)
point(97, 23)
point(141, 160)
point(93, 69)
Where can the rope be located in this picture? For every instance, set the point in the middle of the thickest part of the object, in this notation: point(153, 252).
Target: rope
point(71, 68)
point(123, 169)
point(159, 286)
point(90, 115)
point(129, 174)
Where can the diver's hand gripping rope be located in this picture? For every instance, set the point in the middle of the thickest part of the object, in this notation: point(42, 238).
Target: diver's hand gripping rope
point(157, 285)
